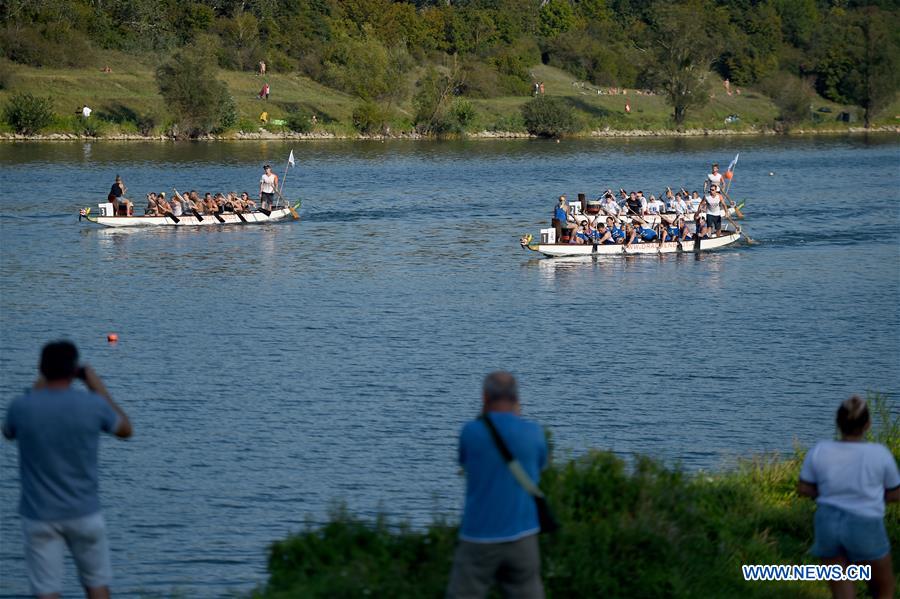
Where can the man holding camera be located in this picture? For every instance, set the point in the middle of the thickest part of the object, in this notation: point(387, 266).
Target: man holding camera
point(58, 429)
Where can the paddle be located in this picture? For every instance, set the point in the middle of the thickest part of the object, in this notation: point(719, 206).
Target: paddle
point(749, 239)
point(286, 203)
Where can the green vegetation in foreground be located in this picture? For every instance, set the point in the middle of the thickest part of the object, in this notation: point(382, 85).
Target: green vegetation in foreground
point(641, 531)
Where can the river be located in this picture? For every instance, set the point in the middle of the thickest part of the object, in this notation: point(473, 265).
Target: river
point(273, 372)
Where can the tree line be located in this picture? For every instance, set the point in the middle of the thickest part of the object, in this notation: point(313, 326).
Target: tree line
point(846, 50)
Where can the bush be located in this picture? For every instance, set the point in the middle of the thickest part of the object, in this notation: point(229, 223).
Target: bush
point(28, 114)
point(299, 121)
point(199, 102)
point(52, 45)
point(546, 116)
point(370, 118)
point(793, 97)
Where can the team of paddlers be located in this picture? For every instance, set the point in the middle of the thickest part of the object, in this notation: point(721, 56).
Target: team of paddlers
point(158, 204)
point(675, 216)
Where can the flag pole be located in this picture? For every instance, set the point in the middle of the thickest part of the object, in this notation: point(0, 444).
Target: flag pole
point(286, 167)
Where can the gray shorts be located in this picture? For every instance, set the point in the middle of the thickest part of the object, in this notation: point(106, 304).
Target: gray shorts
point(515, 566)
point(45, 545)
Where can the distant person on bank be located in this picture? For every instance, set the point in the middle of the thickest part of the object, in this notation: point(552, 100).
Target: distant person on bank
point(851, 480)
point(498, 537)
point(58, 429)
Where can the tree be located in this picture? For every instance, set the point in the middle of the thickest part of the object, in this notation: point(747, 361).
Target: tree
point(556, 18)
point(683, 43)
point(200, 102)
point(879, 79)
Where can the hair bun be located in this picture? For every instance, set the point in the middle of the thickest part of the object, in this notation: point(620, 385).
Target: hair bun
point(854, 406)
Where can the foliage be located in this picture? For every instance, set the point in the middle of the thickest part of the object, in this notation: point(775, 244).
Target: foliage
point(547, 116)
point(675, 534)
point(28, 114)
point(793, 97)
point(370, 118)
point(434, 98)
point(682, 47)
point(299, 121)
point(199, 102)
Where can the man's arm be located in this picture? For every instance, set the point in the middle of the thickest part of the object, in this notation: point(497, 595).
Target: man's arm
point(805, 489)
point(93, 382)
point(890, 495)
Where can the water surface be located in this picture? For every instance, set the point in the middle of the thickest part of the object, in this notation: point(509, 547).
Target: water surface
point(272, 371)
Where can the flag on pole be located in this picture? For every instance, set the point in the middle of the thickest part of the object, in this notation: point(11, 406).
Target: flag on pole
point(291, 158)
point(730, 166)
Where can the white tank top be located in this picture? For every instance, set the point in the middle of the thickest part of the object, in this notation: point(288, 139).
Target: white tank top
point(268, 183)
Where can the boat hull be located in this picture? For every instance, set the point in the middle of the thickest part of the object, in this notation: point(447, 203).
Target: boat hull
point(189, 220)
point(554, 250)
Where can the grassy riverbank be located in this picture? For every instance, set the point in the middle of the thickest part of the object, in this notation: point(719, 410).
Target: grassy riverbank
point(645, 530)
point(126, 103)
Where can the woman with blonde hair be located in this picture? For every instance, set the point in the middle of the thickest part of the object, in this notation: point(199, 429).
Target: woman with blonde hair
point(851, 480)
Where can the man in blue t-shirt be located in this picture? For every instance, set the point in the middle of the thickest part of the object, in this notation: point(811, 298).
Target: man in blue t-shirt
point(498, 537)
point(58, 431)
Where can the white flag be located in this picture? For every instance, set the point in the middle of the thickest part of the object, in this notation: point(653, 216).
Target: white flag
point(730, 166)
point(291, 158)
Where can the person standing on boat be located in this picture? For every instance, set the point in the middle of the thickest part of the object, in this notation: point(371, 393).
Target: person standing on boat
point(561, 218)
point(58, 432)
point(715, 207)
point(498, 537)
point(851, 480)
point(713, 178)
point(268, 185)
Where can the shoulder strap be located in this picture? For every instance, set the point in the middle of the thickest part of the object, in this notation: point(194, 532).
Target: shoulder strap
point(515, 467)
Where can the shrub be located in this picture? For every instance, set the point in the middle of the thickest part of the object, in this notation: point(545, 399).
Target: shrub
point(199, 102)
point(548, 117)
point(51, 45)
point(793, 97)
point(370, 118)
point(28, 114)
point(145, 124)
point(299, 121)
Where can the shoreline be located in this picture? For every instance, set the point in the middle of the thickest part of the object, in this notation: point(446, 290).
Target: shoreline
point(505, 135)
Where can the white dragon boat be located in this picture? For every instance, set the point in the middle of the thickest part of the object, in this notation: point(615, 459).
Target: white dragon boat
point(106, 218)
point(555, 250)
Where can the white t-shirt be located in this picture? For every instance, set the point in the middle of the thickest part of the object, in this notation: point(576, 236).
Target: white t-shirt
point(610, 206)
point(176, 207)
point(715, 179)
point(851, 476)
point(680, 206)
point(268, 183)
point(714, 205)
point(655, 207)
point(86, 112)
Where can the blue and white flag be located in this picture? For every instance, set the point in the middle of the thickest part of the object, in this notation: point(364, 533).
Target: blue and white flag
point(733, 162)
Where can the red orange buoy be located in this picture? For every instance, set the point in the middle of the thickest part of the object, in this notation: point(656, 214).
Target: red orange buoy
point(112, 338)
point(729, 174)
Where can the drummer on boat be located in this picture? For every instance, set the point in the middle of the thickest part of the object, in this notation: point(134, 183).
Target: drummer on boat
point(117, 195)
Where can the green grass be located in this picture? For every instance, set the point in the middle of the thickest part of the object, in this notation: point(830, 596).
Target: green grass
point(645, 530)
point(129, 93)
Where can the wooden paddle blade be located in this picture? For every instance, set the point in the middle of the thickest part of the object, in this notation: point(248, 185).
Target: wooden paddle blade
point(241, 216)
point(264, 211)
point(294, 213)
point(197, 214)
point(219, 218)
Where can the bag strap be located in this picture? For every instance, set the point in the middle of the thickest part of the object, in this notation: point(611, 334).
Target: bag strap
point(515, 467)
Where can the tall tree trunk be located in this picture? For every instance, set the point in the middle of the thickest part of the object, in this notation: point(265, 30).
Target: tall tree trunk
point(680, 109)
